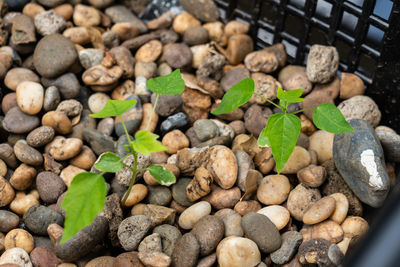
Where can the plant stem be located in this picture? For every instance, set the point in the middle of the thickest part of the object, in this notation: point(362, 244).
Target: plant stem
point(304, 109)
point(126, 131)
point(135, 171)
point(152, 112)
point(266, 99)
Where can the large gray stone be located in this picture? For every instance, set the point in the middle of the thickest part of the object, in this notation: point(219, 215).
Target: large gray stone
point(359, 158)
point(390, 143)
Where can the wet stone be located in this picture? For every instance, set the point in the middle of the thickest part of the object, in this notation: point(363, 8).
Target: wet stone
point(38, 218)
point(176, 121)
point(205, 129)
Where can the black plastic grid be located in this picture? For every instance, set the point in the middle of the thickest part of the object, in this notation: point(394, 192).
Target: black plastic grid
point(368, 41)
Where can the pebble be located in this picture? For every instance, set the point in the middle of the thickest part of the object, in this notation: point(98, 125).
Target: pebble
point(278, 215)
point(208, 231)
point(234, 76)
point(38, 218)
point(183, 22)
point(90, 57)
point(119, 13)
point(193, 214)
point(273, 189)
point(312, 175)
point(359, 158)
point(132, 118)
point(236, 251)
point(68, 174)
point(222, 165)
point(239, 46)
point(361, 107)
point(321, 252)
point(7, 155)
point(51, 98)
point(232, 222)
point(313, 99)
point(137, 194)
point(244, 207)
point(322, 63)
point(322, 143)
point(320, 210)
point(341, 207)
point(98, 141)
point(186, 251)
point(99, 76)
point(294, 77)
point(18, 122)
point(62, 148)
point(300, 200)
point(30, 97)
point(205, 11)
point(68, 85)
point(299, 159)
point(22, 202)
point(125, 30)
point(195, 36)
point(174, 141)
point(145, 69)
point(23, 177)
point(154, 259)
point(86, 240)
point(40, 136)
point(390, 142)
point(16, 256)
point(54, 54)
point(102, 261)
point(235, 27)
point(205, 129)
point(169, 237)
point(8, 221)
point(207, 261)
point(57, 120)
point(17, 75)
point(223, 198)
point(264, 85)
point(262, 231)
point(86, 16)
point(97, 102)
point(8, 102)
point(261, 61)
point(350, 85)
point(132, 230)
point(178, 55)
point(49, 22)
point(70, 107)
point(291, 240)
point(151, 243)
point(179, 192)
point(19, 238)
point(327, 229)
point(50, 186)
point(149, 52)
point(200, 186)
point(106, 126)
point(27, 154)
point(256, 118)
point(42, 256)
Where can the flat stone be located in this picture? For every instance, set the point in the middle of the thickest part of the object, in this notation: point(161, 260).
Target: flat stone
point(119, 13)
point(291, 241)
point(18, 122)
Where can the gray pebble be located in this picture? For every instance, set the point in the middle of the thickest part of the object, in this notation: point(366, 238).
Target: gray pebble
point(39, 217)
point(132, 230)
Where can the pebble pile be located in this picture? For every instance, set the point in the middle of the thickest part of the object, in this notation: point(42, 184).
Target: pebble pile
point(62, 60)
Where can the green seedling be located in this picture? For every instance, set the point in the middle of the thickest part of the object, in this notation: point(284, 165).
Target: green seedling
point(282, 129)
point(86, 195)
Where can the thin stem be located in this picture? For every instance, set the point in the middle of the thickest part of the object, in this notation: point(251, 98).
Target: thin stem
point(266, 99)
point(301, 110)
point(152, 112)
point(126, 131)
point(135, 171)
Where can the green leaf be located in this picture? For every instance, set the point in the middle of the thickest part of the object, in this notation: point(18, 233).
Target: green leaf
point(263, 140)
point(238, 95)
point(109, 162)
point(146, 142)
point(171, 84)
point(288, 97)
point(85, 198)
point(282, 131)
point(329, 118)
point(162, 175)
point(114, 108)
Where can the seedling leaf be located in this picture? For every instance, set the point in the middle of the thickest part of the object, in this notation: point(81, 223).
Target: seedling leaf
point(114, 108)
point(146, 142)
point(171, 84)
point(238, 95)
point(329, 118)
point(109, 162)
point(288, 97)
point(162, 175)
point(282, 131)
point(85, 198)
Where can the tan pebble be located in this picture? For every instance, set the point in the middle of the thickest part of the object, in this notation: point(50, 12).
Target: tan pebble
point(85, 159)
point(78, 35)
point(236, 27)
point(17, 75)
point(147, 111)
point(69, 173)
point(184, 21)
point(103, 261)
point(138, 209)
point(320, 210)
point(86, 16)
point(23, 202)
point(149, 52)
point(301, 199)
point(294, 77)
point(9, 101)
point(124, 90)
point(66, 264)
point(3, 168)
point(312, 175)
point(328, 230)
point(273, 189)
point(322, 143)
point(174, 141)
point(216, 32)
point(100, 75)
point(2, 248)
point(65, 11)
point(58, 121)
point(239, 46)
point(97, 102)
point(299, 159)
point(55, 233)
point(137, 194)
point(32, 9)
point(30, 97)
point(236, 251)
point(125, 30)
point(19, 238)
point(62, 148)
point(150, 180)
point(23, 177)
point(223, 198)
point(351, 85)
point(154, 258)
point(262, 61)
point(178, 208)
point(193, 214)
point(307, 127)
point(264, 85)
point(244, 207)
point(222, 165)
point(7, 193)
point(200, 53)
point(341, 207)
point(264, 160)
point(278, 215)
point(200, 186)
